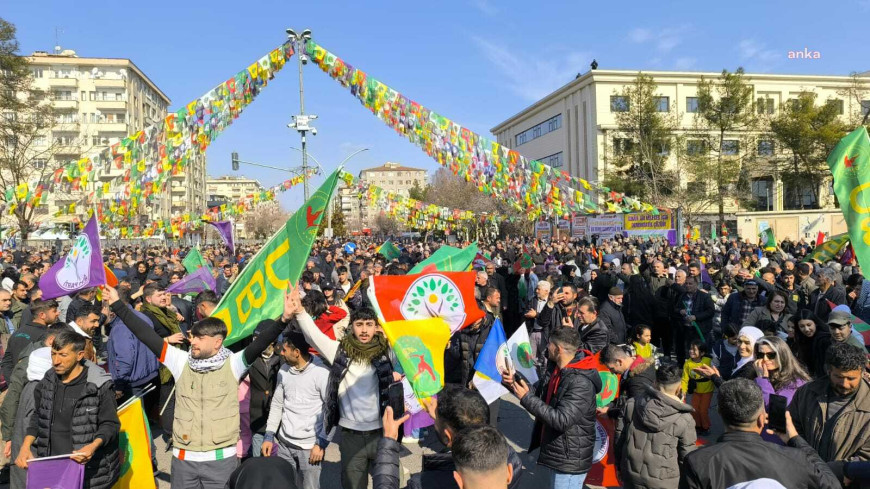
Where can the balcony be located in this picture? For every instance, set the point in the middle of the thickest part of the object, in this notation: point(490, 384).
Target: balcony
point(65, 127)
point(110, 104)
point(63, 82)
point(111, 127)
point(68, 149)
point(65, 104)
point(110, 82)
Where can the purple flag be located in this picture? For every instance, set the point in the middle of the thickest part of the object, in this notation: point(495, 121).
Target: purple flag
point(55, 473)
point(193, 283)
point(80, 269)
point(705, 275)
point(225, 229)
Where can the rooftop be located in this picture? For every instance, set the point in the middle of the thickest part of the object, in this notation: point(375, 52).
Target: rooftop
point(391, 166)
point(69, 57)
point(583, 79)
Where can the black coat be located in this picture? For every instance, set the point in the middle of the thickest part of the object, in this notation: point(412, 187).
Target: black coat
point(819, 300)
point(638, 302)
point(702, 308)
point(437, 471)
point(741, 456)
point(611, 316)
point(594, 337)
point(565, 426)
point(263, 374)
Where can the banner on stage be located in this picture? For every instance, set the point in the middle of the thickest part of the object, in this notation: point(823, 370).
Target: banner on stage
point(647, 225)
point(606, 226)
point(543, 230)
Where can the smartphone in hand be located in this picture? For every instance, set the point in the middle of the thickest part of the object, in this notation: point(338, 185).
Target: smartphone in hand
point(396, 396)
point(776, 413)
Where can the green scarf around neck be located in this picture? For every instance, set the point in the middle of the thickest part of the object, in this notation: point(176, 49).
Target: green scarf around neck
point(364, 352)
point(164, 316)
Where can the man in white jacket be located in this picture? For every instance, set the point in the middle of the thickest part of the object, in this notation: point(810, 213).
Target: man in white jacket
point(295, 429)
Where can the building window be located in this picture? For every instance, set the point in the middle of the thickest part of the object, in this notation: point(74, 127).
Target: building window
point(837, 104)
point(865, 107)
point(618, 103)
point(730, 147)
point(38, 72)
point(40, 141)
point(95, 140)
point(622, 146)
point(765, 148)
point(662, 104)
point(549, 125)
point(39, 164)
point(762, 193)
point(691, 104)
point(696, 147)
point(554, 160)
point(799, 196)
point(794, 104)
point(764, 105)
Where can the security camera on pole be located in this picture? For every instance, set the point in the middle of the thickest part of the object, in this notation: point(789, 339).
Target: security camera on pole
point(301, 122)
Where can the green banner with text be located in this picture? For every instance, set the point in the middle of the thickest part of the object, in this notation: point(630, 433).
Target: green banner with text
point(258, 292)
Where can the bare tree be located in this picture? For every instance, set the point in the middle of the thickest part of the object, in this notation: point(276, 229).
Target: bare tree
point(265, 220)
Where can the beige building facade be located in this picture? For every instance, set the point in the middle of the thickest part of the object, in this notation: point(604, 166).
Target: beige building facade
point(575, 127)
point(227, 189)
point(99, 101)
point(392, 177)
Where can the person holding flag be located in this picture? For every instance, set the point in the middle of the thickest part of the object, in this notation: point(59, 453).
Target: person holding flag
point(206, 422)
point(564, 409)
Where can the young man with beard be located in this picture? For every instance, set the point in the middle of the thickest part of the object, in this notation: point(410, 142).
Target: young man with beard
point(75, 412)
point(205, 426)
point(360, 375)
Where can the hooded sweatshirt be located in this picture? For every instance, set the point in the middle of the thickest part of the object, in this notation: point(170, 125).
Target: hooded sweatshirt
point(296, 413)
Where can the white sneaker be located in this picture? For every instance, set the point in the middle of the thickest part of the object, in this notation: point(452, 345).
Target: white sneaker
point(410, 441)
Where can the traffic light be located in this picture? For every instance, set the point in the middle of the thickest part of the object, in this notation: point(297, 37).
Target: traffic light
point(235, 161)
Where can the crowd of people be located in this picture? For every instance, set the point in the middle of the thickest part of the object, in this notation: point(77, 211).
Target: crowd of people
point(769, 334)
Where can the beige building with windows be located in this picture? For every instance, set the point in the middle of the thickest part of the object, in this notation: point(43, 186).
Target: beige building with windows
point(99, 101)
point(392, 177)
point(227, 189)
point(574, 128)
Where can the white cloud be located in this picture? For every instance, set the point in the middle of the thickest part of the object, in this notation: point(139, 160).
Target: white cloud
point(532, 76)
point(664, 40)
point(684, 63)
point(485, 6)
point(752, 51)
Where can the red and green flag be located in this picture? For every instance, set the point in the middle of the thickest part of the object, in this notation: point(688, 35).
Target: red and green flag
point(448, 295)
point(258, 292)
point(193, 260)
point(850, 165)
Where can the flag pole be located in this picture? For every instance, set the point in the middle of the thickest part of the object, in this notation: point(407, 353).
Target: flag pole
point(137, 396)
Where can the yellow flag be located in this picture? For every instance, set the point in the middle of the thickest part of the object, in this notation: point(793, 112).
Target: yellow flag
point(419, 346)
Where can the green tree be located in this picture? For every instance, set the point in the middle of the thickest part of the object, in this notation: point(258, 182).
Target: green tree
point(807, 133)
point(642, 143)
point(417, 192)
point(26, 149)
point(339, 227)
point(724, 125)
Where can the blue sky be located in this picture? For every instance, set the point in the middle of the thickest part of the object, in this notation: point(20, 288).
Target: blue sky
point(476, 62)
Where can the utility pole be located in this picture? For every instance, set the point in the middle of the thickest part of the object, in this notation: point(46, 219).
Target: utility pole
point(301, 121)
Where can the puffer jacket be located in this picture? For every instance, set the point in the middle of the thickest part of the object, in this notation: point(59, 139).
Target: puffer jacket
point(652, 440)
point(850, 437)
point(565, 421)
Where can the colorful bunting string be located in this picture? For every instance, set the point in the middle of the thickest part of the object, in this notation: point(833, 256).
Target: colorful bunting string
point(527, 185)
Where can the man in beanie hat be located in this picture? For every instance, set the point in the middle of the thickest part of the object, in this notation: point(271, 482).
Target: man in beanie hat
point(612, 317)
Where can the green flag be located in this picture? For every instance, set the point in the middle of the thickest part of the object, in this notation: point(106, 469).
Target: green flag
point(389, 250)
point(768, 241)
point(194, 260)
point(850, 165)
point(258, 292)
point(713, 232)
point(828, 249)
point(448, 259)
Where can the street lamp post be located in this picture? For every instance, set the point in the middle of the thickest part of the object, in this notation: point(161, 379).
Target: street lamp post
point(301, 121)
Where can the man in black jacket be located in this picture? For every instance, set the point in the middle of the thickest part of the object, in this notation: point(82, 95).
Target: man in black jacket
point(263, 374)
point(747, 456)
point(694, 307)
point(594, 335)
point(44, 314)
point(564, 410)
point(75, 412)
point(455, 410)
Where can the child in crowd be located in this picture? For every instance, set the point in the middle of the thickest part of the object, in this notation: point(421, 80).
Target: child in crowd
point(643, 343)
point(700, 387)
point(724, 354)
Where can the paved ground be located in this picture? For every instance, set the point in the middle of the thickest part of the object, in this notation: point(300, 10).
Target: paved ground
point(514, 422)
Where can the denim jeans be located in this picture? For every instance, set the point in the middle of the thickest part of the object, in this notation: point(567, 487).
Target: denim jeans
point(256, 444)
point(561, 480)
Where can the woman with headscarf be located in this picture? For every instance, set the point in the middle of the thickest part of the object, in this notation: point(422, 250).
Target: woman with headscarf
point(745, 368)
point(812, 337)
